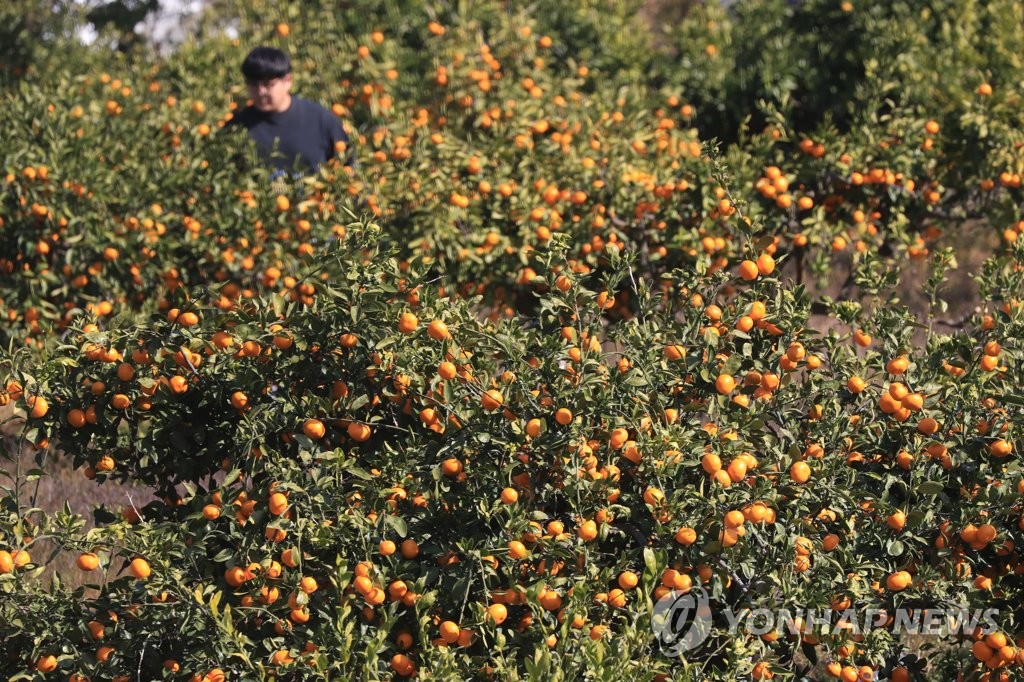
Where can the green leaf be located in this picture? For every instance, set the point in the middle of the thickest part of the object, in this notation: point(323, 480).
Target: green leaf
point(360, 473)
point(215, 601)
point(398, 524)
point(229, 625)
point(231, 477)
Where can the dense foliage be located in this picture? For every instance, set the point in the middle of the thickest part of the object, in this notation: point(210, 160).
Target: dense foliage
point(469, 408)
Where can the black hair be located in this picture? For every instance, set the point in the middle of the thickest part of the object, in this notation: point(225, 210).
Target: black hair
point(264, 63)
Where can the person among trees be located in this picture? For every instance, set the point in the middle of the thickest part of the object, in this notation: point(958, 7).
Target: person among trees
point(291, 133)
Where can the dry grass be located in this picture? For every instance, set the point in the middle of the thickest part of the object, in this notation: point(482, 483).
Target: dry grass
point(972, 243)
point(62, 485)
point(662, 14)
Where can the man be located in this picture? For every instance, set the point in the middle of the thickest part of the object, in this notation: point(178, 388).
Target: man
point(291, 133)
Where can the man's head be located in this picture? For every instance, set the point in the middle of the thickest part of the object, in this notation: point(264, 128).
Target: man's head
point(268, 75)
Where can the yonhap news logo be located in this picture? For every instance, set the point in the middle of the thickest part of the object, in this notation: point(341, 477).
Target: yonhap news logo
point(683, 621)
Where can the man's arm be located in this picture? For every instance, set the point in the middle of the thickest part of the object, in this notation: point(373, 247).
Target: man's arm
point(335, 134)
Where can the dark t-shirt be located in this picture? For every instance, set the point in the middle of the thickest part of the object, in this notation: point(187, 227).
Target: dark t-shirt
point(305, 133)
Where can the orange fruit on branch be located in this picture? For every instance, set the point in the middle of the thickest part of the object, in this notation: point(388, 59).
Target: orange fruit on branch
point(725, 384)
point(492, 399)
point(408, 323)
point(140, 568)
point(800, 472)
point(278, 503)
point(313, 429)
point(438, 330)
point(748, 270)
point(88, 561)
point(898, 581)
point(359, 432)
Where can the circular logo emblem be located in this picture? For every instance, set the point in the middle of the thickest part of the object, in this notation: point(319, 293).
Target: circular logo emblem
point(681, 621)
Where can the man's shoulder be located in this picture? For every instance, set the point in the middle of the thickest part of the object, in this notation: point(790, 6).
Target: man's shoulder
point(315, 111)
point(310, 107)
